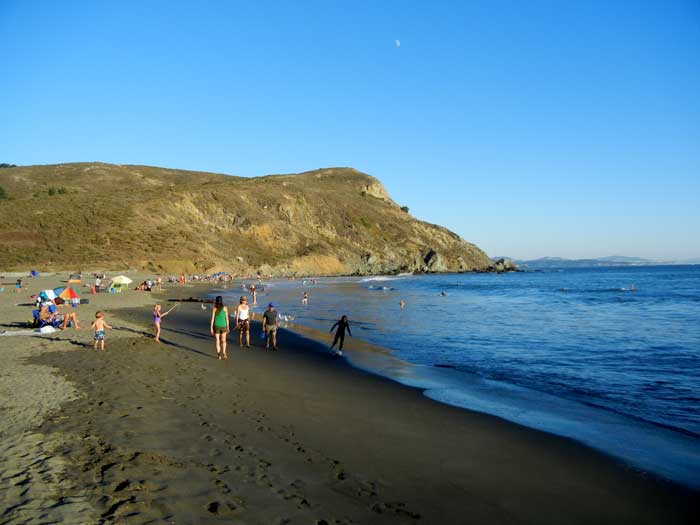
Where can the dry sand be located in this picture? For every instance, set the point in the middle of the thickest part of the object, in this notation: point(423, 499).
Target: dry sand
point(35, 481)
point(148, 433)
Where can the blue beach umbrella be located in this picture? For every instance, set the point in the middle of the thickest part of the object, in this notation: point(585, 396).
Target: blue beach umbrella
point(47, 295)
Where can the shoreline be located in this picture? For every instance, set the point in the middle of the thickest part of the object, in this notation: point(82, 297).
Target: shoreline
point(654, 450)
point(429, 380)
point(168, 432)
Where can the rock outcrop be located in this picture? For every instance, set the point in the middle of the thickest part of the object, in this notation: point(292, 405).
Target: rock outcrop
point(504, 265)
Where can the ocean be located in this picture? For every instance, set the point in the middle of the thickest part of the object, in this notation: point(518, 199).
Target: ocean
point(607, 356)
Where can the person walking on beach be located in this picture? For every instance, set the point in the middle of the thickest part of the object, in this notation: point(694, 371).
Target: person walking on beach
point(269, 326)
point(243, 321)
point(157, 316)
point(100, 325)
point(18, 286)
point(219, 326)
point(342, 324)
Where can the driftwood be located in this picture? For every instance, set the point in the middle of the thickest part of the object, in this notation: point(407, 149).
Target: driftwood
point(191, 300)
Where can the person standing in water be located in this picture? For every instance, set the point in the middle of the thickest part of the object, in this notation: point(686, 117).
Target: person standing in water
point(342, 324)
point(243, 321)
point(255, 294)
point(157, 316)
point(219, 326)
point(305, 298)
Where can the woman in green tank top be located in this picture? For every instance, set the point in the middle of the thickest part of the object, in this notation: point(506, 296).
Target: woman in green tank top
point(219, 326)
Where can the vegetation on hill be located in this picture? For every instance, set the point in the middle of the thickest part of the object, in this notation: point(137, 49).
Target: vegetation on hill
point(328, 221)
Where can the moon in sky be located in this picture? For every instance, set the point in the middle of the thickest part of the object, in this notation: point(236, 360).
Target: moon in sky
point(398, 43)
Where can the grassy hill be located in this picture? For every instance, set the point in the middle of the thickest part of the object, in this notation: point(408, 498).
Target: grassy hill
point(328, 221)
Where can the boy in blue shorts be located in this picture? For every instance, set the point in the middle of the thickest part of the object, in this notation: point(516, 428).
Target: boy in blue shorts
point(100, 326)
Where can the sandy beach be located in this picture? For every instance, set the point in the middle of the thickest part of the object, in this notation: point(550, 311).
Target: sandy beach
point(166, 433)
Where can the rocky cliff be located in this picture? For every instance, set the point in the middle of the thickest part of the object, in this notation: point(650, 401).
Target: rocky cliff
point(327, 221)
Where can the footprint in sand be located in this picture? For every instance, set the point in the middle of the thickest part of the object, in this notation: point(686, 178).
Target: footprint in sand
point(218, 508)
point(223, 487)
point(122, 485)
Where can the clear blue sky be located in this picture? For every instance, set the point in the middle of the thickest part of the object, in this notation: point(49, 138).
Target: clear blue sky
point(530, 128)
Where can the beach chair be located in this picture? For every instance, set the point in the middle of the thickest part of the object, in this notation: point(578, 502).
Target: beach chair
point(40, 323)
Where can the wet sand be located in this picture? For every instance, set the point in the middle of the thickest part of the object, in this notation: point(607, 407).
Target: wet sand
point(168, 434)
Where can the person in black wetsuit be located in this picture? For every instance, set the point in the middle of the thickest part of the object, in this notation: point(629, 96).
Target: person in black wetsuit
point(342, 325)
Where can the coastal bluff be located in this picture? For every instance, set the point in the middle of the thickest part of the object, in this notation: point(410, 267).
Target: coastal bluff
point(334, 221)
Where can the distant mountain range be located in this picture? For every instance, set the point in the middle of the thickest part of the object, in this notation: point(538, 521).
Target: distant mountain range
point(612, 260)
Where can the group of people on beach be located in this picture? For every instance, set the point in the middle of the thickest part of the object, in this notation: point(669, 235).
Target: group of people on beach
point(219, 325)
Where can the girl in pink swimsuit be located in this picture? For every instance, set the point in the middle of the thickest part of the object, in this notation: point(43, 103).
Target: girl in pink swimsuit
point(157, 316)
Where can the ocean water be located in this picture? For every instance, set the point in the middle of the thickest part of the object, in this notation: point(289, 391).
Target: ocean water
point(607, 356)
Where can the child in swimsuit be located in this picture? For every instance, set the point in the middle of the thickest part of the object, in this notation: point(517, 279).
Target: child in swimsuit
point(100, 326)
point(157, 316)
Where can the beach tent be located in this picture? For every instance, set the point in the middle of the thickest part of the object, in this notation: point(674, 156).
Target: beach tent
point(75, 279)
point(120, 282)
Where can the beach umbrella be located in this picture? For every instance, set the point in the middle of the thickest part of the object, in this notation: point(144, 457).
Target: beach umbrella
point(58, 290)
point(48, 294)
point(121, 279)
point(69, 294)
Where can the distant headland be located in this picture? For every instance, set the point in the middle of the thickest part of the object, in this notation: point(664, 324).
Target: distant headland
point(333, 221)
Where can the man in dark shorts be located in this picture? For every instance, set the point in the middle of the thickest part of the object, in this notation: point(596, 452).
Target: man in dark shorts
point(269, 326)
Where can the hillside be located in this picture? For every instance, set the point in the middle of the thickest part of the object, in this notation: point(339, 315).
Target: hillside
point(328, 221)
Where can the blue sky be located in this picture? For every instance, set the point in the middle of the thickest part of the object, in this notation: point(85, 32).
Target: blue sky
point(530, 128)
